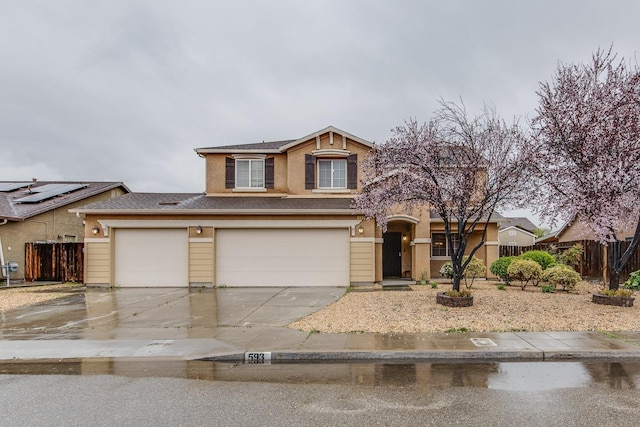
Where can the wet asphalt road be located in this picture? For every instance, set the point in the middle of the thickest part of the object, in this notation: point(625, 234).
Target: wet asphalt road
point(115, 392)
point(55, 400)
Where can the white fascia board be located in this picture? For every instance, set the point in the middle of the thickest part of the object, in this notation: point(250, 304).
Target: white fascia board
point(237, 151)
point(183, 212)
point(322, 132)
point(167, 223)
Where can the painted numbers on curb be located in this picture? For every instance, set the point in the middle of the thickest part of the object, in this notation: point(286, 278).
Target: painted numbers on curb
point(257, 358)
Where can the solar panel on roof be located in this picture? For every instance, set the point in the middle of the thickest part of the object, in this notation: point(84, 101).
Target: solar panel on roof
point(53, 192)
point(48, 187)
point(11, 186)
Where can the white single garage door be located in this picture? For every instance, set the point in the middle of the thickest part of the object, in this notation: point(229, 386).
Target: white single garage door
point(151, 257)
point(282, 257)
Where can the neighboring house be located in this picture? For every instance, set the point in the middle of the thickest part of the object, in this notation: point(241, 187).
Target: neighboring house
point(38, 211)
point(273, 214)
point(574, 230)
point(516, 232)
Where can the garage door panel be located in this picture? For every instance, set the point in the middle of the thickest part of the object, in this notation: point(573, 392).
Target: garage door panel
point(151, 257)
point(287, 257)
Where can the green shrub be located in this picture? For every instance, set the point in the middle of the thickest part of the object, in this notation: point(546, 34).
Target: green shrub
point(548, 289)
point(544, 259)
point(525, 271)
point(634, 281)
point(561, 275)
point(625, 293)
point(572, 256)
point(474, 269)
point(499, 267)
point(501, 287)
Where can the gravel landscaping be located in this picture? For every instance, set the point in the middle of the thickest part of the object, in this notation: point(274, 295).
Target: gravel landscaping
point(29, 295)
point(493, 310)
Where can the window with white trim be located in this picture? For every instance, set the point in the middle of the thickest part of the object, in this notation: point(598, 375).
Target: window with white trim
point(512, 232)
point(249, 173)
point(440, 245)
point(332, 173)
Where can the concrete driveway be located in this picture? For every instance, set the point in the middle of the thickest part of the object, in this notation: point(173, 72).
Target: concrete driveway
point(163, 313)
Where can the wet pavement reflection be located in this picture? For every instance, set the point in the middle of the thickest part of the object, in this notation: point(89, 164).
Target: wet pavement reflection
point(514, 376)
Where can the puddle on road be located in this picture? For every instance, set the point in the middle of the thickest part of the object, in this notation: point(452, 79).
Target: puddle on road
point(529, 376)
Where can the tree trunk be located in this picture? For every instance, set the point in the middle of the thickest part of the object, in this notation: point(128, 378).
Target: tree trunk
point(456, 281)
point(605, 257)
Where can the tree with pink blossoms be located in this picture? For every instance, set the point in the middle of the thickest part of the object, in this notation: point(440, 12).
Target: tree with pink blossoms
point(458, 167)
point(588, 130)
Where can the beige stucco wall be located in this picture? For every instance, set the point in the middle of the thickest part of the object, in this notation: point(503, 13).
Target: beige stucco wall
point(58, 225)
point(489, 252)
point(289, 167)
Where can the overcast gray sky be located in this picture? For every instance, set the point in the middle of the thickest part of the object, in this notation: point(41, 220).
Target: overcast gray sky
point(124, 90)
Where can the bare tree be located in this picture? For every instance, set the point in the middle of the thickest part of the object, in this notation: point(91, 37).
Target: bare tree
point(588, 131)
point(458, 167)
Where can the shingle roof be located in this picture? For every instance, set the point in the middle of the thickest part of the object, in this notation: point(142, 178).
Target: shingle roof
point(15, 211)
point(270, 145)
point(520, 222)
point(185, 203)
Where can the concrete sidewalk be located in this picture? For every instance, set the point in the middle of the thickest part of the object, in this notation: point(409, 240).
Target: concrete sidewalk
point(226, 324)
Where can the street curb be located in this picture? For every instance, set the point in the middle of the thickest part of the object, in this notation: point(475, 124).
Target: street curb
point(429, 356)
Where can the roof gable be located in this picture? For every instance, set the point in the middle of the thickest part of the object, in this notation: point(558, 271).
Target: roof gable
point(279, 146)
point(517, 228)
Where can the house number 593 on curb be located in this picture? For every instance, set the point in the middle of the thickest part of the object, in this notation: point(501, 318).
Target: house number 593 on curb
point(257, 358)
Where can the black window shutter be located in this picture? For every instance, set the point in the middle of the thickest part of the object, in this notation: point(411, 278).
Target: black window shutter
point(268, 172)
point(309, 172)
point(230, 173)
point(352, 171)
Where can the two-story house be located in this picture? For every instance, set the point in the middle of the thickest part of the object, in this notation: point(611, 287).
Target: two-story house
point(273, 214)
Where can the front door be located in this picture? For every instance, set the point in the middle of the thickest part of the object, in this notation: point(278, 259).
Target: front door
point(392, 254)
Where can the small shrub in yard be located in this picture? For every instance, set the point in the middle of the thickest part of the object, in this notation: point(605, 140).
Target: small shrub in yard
point(544, 259)
point(572, 256)
point(501, 287)
point(474, 269)
point(434, 285)
point(548, 289)
point(447, 270)
point(499, 268)
point(525, 271)
point(634, 281)
point(561, 275)
point(626, 293)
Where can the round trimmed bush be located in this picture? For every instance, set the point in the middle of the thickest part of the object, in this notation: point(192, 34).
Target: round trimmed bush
point(544, 259)
point(561, 275)
point(524, 271)
point(499, 267)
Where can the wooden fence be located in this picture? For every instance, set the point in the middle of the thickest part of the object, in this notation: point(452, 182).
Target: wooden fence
point(60, 262)
point(593, 253)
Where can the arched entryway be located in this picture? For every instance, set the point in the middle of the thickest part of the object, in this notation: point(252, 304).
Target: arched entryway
point(397, 249)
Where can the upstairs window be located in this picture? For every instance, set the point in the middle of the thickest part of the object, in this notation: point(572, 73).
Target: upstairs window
point(339, 173)
point(332, 173)
point(250, 173)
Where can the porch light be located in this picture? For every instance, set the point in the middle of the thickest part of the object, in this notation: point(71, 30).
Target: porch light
point(404, 237)
point(198, 230)
point(95, 229)
point(360, 229)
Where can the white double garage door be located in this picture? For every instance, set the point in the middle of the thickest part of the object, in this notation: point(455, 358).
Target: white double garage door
point(243, 257)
